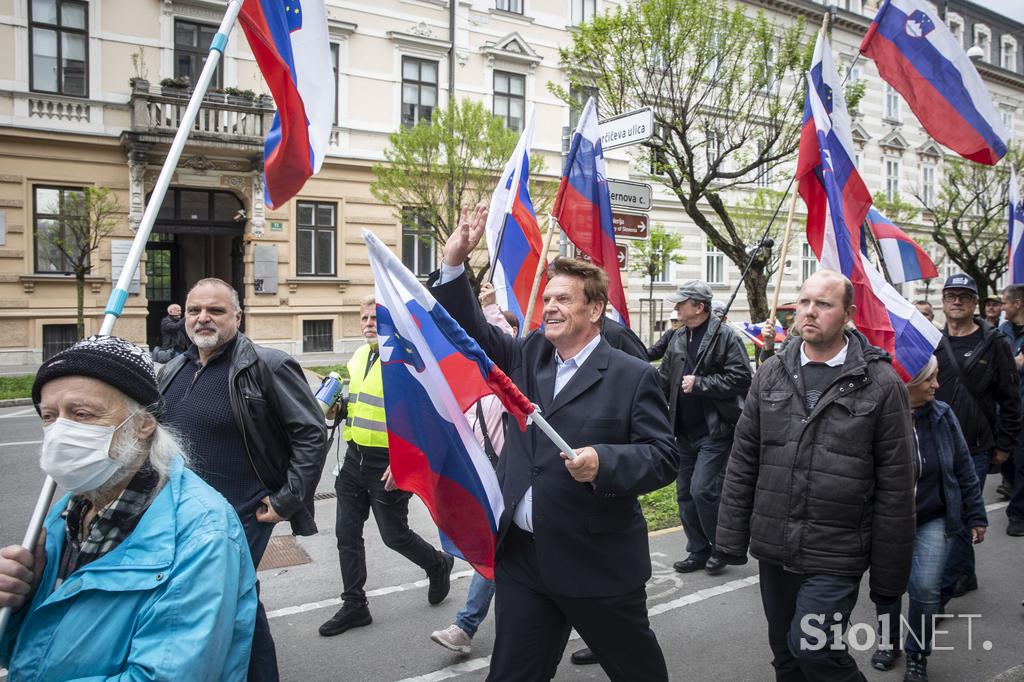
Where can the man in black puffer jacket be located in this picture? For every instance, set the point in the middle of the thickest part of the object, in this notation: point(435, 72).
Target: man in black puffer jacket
point(820, 483)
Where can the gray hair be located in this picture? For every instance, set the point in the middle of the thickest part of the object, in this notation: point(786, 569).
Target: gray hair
point(367, 300)
point(926, 372)
point(164, 444)
point(1014, 292)
point(206, 281)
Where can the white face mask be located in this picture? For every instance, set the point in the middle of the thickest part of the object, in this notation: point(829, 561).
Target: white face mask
point(77, 455)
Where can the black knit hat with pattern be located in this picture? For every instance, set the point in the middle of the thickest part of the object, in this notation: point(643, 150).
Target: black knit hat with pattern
point(109, 359)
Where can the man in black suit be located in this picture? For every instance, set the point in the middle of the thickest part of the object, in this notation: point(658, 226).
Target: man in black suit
point(572, 547)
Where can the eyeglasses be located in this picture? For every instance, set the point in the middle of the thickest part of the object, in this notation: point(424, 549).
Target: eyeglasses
point(950, 297)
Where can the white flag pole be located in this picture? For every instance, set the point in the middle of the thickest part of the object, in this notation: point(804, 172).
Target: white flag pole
point(119, 294)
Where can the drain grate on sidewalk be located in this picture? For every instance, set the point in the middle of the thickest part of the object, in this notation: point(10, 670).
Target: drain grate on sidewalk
point(283, 552)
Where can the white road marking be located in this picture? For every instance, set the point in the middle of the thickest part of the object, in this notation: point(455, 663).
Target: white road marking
point(19, 413)
point(23, 442)
point(475, 664)
point(314, 605)
point(995, 506)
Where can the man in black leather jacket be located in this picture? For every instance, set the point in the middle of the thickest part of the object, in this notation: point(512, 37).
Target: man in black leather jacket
point(254, 429)
point(705, 374)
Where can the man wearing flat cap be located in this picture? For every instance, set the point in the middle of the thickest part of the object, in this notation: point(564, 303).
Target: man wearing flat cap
point(705, 374)
point(142, 570)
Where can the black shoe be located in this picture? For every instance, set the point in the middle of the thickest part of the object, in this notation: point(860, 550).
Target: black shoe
point(1015, 528)
point(583, 657)
point(440, 580)
point(348, 616)
point(689, 565)
point(1004, 492)
point(917, 668)
point(714, 566)
point(965, 584)
point(885, 659)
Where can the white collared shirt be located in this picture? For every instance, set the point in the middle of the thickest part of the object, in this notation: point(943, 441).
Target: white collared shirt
point(564, 371)
point(836, 360)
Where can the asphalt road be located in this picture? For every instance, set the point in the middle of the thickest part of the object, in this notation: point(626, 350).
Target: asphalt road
point(710, 628)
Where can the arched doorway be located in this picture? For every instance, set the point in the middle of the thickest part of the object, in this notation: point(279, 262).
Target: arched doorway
point(197, 234)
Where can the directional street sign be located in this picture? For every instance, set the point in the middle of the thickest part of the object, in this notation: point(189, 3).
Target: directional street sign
point(621, 253)
point(631, 195)
point(629, 225)
point(626, 129)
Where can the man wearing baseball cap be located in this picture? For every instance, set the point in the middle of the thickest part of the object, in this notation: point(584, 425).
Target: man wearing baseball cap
point(978, 379)
point(706, 374)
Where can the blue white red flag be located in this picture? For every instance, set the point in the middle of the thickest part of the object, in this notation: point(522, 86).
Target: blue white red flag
point(583, 206)
point(920, 57)
point(753, 332)
point(1015, 216)
point(905, 261)
point(432, 373)
point(513, 236)
point(289, 40)
point(837, 204)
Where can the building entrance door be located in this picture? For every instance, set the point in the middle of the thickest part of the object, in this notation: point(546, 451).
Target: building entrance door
point(198, 234)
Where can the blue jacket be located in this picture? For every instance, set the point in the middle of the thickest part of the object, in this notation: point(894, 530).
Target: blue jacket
point(939, 431)
point(176, 600)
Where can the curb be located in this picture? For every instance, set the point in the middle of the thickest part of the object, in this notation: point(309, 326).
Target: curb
point(15, 402)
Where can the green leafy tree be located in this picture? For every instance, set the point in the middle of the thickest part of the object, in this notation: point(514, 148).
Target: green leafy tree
point(652, 257)
point(87, 217)
point(452, 161)
point(727, 92)
point(968, 217)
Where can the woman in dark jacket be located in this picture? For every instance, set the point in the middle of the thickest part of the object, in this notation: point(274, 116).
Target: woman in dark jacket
point(948, 499)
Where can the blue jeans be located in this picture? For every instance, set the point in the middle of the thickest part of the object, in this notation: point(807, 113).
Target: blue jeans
point(699, 488)
point(931, 547)
point(1015, 509)
point(961, 554)
point(478, 601)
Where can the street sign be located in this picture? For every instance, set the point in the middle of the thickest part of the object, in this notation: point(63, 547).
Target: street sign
point(629, 225)
point(621, 253)
point(625, 129)
point(631, 195)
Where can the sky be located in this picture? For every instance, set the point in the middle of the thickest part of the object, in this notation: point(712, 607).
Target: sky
point(1011, 8)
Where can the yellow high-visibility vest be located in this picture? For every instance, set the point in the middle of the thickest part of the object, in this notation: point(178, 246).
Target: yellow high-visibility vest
point(366, 424)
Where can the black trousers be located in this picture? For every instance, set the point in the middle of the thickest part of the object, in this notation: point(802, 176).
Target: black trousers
point(359, 490)
point(801, 611)
point(532, 625)
point(263, 659)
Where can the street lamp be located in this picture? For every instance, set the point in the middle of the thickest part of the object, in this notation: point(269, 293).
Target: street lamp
point(974, 53)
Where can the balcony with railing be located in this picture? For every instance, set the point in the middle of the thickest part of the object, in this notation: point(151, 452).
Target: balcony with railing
point(223, 118)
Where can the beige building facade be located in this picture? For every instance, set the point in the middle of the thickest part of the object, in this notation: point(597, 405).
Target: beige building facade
point(94, 90)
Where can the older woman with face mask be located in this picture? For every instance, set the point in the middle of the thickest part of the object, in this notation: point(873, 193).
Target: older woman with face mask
point(948, 499)
point(143, 570)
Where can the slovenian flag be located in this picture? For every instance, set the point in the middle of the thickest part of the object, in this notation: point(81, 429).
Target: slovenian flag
point(754, 332)
point(513, 237)
point(916, 54)
point(583, 207)
point(905, 261)
point(432, 373)
point(1015, 216)
point(289, 40)
point(837, 204)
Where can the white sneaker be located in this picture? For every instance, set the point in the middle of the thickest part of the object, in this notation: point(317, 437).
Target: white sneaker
point(455, 638)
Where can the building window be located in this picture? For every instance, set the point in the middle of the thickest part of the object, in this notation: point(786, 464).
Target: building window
point(417, 242)
point(664, 274)
point(191, 48)
point(983, 39)
point(514, 6)
point(892, 104)
point(956, 27)
point(928, 184)
point(317, 228)
point(579, 97)
point(317, 336)
point(1006, 116)
point(510, 99)
point(1009, 54)
point(58, 337)
point(334, 67)
point(808, 262)
point(50, 230)
point(714, 265)
point(892, 179)
point(59, 42)
point(419, 90)
point(582, 11)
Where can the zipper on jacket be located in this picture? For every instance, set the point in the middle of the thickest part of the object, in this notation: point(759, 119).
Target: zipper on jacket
point(245, 442)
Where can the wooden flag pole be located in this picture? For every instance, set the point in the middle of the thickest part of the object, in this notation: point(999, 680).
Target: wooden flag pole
point(525, 328)
point(782, 260)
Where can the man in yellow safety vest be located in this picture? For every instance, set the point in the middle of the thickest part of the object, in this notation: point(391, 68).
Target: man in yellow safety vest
point(364, 483)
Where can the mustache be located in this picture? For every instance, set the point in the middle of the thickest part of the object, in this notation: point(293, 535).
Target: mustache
point(197, 327)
